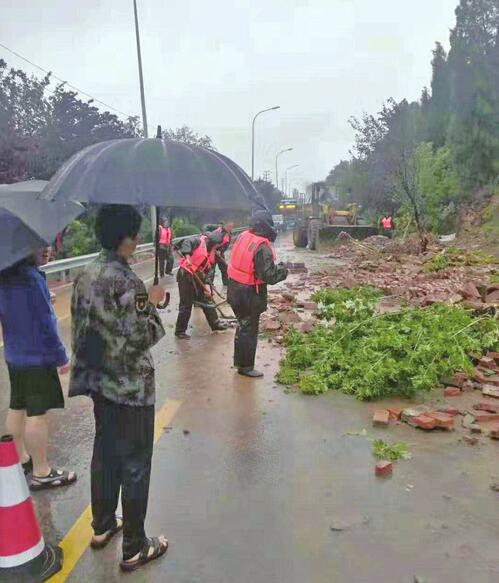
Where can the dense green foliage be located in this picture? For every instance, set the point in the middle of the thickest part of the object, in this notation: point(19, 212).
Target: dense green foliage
point(41, 127)
point(430, 156)
point(370, 355)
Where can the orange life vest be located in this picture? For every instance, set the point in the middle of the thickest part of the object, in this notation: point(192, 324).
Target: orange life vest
point(241, 264)
point(165, 235)
point(386, 223)
point(201, 259)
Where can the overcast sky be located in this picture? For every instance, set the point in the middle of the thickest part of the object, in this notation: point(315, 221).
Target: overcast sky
point(212, 65)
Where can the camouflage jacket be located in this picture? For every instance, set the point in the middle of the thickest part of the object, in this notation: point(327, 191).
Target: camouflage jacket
point(113, 328)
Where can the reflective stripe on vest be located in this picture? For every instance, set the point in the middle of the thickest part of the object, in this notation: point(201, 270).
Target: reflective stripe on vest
point(386, 223)
point(241, 264)
point(165, 235)
point(201, 260)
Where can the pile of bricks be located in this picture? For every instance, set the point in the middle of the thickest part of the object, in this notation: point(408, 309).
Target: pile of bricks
point(481, 418)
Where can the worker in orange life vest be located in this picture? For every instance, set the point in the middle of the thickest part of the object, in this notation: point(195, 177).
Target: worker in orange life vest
point(194, 281)
point(251, 268)
point(165, 248)
point(387, 225)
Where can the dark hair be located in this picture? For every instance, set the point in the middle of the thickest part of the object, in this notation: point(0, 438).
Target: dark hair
point(115, 222)
point(17, 272)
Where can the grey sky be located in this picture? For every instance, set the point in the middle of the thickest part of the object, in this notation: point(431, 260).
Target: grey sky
point(211, 65)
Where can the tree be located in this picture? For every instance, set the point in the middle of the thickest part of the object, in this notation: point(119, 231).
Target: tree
point(270, 193)
point(23, 113)
point(436, 107)
point(187, 135)
point(474, 103)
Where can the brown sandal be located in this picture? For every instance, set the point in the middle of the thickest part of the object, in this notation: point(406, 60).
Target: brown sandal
point(159, 549)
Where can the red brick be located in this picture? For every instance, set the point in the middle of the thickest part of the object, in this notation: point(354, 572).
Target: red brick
point(395, 413)
point(452, 411)
point(488, 362)
point(478, 376)
point(459, 379)
point(483, 416)
point(424, 422)
point(494, 355)
point(489, 407)
point(381, 417)
point(443, 421)
point(470, 291)
point(493, 297)
point(494, 380)
point(452, 392)
point(490, 391)
point(384, 469)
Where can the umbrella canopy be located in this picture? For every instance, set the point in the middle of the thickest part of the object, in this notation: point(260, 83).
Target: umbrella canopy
point(154, 172)
point(27, 222)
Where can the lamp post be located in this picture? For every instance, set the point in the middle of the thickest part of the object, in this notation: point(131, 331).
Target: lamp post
point(277, 165)
point(253, 138)
point(286, 191)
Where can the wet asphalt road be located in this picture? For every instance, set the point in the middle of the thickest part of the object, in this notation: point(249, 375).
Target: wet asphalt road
point(248, 479)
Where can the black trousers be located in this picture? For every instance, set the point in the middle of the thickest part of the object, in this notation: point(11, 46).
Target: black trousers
point(190, 292)
point(246, 338)
point(222, 265)
point(165, 260)
point(122, 459)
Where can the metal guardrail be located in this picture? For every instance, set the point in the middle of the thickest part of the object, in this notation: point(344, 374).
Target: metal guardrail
point(62, 266)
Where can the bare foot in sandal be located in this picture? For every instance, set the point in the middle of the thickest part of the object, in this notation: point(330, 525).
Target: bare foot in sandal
point(99, 541)
point(154, 548)
point(54, 479)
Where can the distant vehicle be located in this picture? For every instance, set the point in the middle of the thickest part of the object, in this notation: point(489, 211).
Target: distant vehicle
point(318, 221)
point(289, 208)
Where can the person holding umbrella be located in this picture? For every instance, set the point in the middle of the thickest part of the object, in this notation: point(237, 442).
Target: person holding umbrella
point(32, 347)
point(195, 278)
point(114, 324)
point(33, 352)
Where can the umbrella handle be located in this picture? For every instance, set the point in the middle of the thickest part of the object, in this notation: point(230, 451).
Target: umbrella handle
point(156, 249)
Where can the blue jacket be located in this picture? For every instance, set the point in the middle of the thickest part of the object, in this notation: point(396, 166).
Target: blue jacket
point(28, 321)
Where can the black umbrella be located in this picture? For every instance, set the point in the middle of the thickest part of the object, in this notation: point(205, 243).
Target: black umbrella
point(28, 223)
point(155, 172)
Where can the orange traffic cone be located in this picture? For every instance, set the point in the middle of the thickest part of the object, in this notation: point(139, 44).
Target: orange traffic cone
point(24, 556)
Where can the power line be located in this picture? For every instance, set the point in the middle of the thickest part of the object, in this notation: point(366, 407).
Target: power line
point(127, 115)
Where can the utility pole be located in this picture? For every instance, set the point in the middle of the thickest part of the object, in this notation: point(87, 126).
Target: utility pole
point(141, 75)
point(154, 218)
point(277, 165)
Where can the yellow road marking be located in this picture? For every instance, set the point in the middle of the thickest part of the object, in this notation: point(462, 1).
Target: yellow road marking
point(78, 537)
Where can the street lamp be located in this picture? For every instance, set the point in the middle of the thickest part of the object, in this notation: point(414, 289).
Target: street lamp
point(277, 166)
point(253, 138)
point(286, 177)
